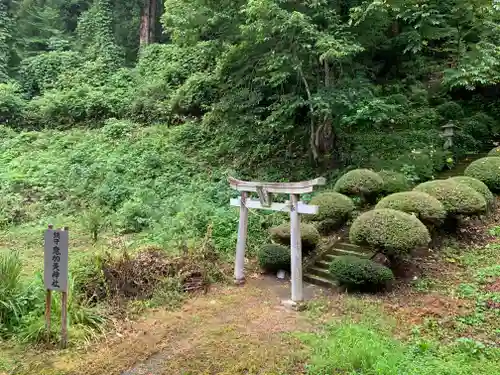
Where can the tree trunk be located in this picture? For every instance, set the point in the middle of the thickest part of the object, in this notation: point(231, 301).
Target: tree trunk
point(153, 10)
point(148, 22)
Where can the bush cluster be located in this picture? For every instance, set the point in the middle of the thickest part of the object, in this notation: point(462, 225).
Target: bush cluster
point(427, 208)
point(486, 170)
point(334, 210)
point(457, 198)
point(392, 232)
point(362, 274)
point(360, 182)
point(478, 186)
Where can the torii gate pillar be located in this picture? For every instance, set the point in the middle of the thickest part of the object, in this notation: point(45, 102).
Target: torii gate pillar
point(294, 206)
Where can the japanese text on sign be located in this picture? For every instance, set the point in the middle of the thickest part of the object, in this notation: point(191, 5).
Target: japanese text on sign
point(56, 260)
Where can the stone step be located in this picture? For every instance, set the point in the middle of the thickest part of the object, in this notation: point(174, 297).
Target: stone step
point(321, 272)
point(318, 280)
point(335, 252)
point(350, 247)
point(323, 263)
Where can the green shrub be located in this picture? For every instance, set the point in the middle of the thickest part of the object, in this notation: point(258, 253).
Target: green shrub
point(360, 273)
point(457, 199)
point(334, 210)
point(494, 152)
point(394, 182)
point(191, 98)
point(12, 105)
point(361, 182)
point(93, 222)
point(116, 129)
point(273, 258)
point(451, 111)
point(392, 232)
point(134, 216)
point(478, 186)
point(12, 210)
point(478, 128)
point(486, 170)
point(308, 234)
point(427, 208)
point(42, 72)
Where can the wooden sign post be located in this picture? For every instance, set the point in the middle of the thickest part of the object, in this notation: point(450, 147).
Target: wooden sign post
point(294, 206)
point(55, 276)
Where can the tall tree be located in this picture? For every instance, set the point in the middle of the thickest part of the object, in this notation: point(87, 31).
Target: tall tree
point(149, 21)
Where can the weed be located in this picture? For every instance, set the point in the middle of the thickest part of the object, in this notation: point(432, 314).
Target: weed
point(94, 221)
point(423, 284)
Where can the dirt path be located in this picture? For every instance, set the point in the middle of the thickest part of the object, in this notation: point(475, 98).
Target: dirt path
point(231, 330)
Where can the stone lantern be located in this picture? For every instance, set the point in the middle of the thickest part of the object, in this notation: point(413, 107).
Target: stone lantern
point(448, 132)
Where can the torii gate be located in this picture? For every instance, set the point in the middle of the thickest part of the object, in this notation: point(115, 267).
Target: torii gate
point(294, 206)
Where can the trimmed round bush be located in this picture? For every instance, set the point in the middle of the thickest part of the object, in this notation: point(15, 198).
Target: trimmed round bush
point(360, 273)
point(391, 232)
point(394, 182)
point(334, 210)
point(273, 258)
point(427, 208)
point(457, 199)
point(495, 152)
point(308, 234)
point(478, 186)
point(486, 170)
point(362, 182)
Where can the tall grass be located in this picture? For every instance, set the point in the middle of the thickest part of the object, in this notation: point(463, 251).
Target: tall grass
point(12, 301)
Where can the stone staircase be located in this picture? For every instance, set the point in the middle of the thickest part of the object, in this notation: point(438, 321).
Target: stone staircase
point(318, 274)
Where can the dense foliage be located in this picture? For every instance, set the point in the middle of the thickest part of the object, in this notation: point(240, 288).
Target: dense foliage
point(427, 208)
point(362, 274)
point(395, 233)
point(363, 84)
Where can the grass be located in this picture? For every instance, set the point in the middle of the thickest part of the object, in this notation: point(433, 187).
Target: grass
point(354, 348)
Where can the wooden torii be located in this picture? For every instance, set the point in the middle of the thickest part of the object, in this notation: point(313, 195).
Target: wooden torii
point(265, 190)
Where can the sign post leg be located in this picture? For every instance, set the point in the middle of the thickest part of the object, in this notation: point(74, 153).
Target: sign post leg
point(296, 250)
point(48, 308)
point(64, 320)
point(239, 266)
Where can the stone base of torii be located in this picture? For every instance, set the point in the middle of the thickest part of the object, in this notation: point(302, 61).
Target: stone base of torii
point(265, 190)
